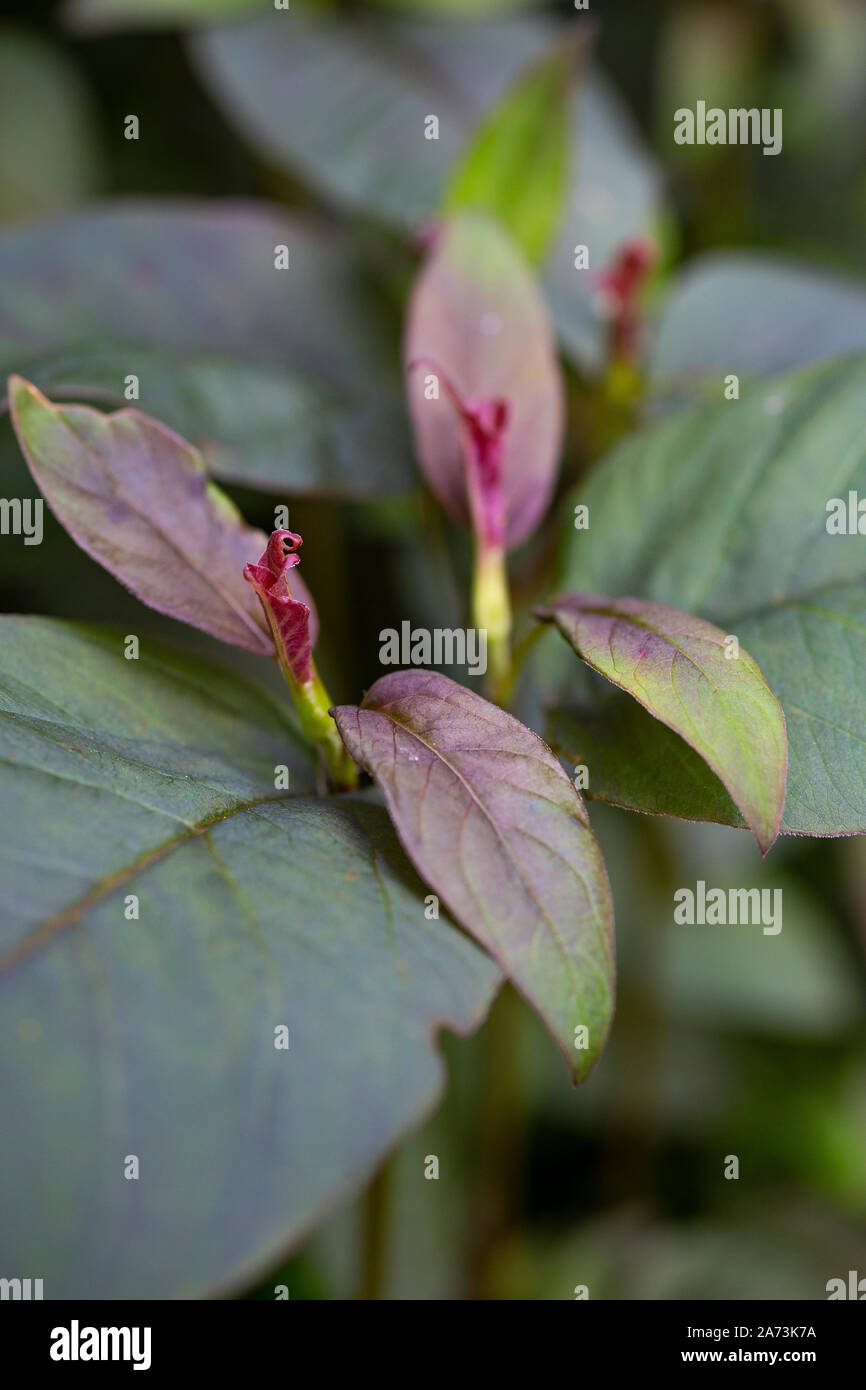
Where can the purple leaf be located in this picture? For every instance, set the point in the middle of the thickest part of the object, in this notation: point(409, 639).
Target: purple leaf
point(677, 667)
point(493, 824)
point(135, 497)
point(489, 445)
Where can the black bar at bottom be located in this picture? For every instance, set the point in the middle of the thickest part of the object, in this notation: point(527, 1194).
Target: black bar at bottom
point(83, 1338)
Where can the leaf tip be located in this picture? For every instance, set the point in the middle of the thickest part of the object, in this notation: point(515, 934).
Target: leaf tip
point(766, 836)
point(19, 390)
point(24, 400)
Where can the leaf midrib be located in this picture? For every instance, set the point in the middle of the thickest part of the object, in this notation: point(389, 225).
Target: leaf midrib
point(39, 936)
point(555, 934)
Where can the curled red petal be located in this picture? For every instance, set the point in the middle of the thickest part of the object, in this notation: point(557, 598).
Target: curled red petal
point(280, 555)
point(289, 618)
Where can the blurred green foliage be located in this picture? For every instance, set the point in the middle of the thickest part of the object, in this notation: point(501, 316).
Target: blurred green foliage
point(516, 165)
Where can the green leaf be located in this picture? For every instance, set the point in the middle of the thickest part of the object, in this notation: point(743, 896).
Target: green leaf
point(489, 818)
point(679, 668)
point(666, 777)
point(516, 165)
point(722, 512)
point(750, 314)
point(342, 102)
point(284, 379)
point(155, 1036)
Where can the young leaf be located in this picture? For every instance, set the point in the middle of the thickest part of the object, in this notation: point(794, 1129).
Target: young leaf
point(516, 165)
point(478, 338)
point(493, 824)
point(136, 497)
point(677, 667)
point(235, 984)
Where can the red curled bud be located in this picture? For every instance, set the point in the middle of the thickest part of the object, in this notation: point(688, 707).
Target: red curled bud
point(621, 285)
point(288, 617)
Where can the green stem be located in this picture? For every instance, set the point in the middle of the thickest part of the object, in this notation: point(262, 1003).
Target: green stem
point(312, 703)
point(619, 396)
point(491, 612)
point(519, 652)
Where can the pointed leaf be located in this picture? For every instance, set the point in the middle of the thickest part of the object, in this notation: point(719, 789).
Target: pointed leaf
point(666, 777)
point(516, 165)
point(493, 824)
point(166, 911)
point(723, 511)
point(136, 497)
point(478, 323)
point(676, 666)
